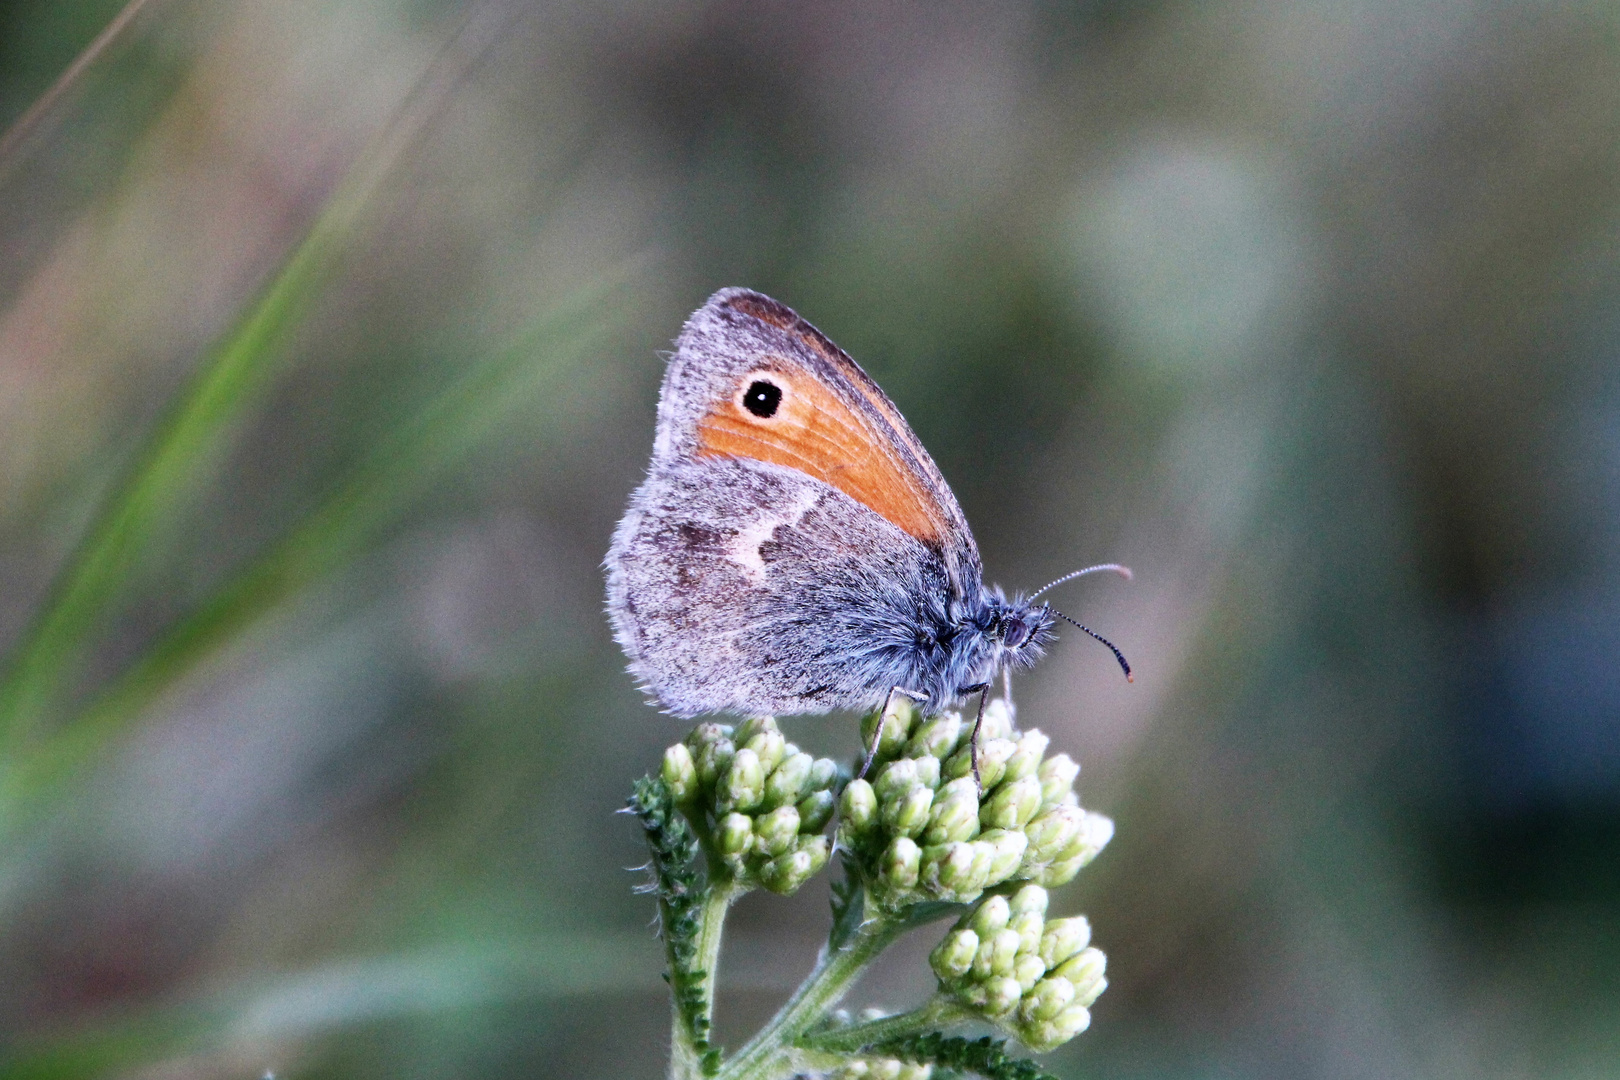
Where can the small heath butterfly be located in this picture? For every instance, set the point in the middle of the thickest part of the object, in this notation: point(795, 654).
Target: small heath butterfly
point(794, 549)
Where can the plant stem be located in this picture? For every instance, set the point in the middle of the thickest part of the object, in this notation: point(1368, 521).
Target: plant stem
point(711, 923)
point(685, 1062)
point(772, 1053)
point(938, 1012)
point(686, 1058)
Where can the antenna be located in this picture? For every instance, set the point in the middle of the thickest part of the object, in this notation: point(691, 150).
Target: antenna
point(1122, 571)
point(1124, 664)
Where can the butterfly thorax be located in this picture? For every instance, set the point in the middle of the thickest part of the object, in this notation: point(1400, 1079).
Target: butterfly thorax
point(970, 646)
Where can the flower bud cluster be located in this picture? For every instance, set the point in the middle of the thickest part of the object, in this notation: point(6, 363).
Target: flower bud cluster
point(759, 802)
point(1033, 977)
point(925, 830)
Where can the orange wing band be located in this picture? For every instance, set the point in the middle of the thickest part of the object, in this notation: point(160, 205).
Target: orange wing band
point(817, 433)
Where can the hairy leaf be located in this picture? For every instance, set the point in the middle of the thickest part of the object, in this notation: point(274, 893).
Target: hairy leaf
point(678, 882)
point(982, 1057)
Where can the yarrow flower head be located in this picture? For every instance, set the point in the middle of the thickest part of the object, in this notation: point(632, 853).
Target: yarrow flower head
point(1033, 977)
point(923, 828)
point(758, 802)
point(939, 825)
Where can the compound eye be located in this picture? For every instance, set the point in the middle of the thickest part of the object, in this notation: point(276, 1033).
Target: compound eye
point(762, 398)
point(1016, 633)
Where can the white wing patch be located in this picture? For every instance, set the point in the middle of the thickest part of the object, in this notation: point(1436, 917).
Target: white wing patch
point(744, 550)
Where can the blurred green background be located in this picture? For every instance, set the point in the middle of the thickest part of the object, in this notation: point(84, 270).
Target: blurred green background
point(330, 337)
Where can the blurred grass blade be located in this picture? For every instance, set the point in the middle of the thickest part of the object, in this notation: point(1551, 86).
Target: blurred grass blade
point(25, 124)
point(396, 472)
point(229, 380)
point(271, 1016)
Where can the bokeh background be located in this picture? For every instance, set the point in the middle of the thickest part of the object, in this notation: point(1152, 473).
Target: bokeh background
point(1307, 311)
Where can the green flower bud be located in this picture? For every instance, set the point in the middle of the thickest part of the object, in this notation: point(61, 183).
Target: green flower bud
point(1005, 854)
point(768, 743)
point(785, 873)
point(884, 1069)
point(1063, 938)
point(896, 720)
point(858, 806)
point(993, 755)
point(1050, 833)
point(714, 757)
point(1048, 998)
point(743, 784)
point(1004, 944)
point(1030, 925)
point(1057, 775)
point(998, 720)
point(955, 814)
point(1085, 971)
point(1098, 831)
point(915, 1070)
point(909, 814)
point(815, 810)
point(935, 738)
point(901, 861)
point(1001, 996)
point(1051, 1034)
point(1031, 899)
point(753, 726)
point(854, 1069)
point(947, 870)
point(953, 957)
point(1059, 873)
point(705, 734)
point(895, 779)
point(1026, 759)
point(1028, 969)
point(735, 834)
point(1092, 836)
point(823, 774)
point(928, 771)
point(984, 858)
point(1012, 805)
point(777, 831)
point(818, 849)
point(990, 917)
point(680, 772)
point(788, 781)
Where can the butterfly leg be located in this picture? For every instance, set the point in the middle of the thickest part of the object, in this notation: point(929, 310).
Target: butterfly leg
point(883, 722)
point(983, 690)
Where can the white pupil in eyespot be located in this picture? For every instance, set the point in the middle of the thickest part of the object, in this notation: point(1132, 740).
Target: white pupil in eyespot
point(762, 398)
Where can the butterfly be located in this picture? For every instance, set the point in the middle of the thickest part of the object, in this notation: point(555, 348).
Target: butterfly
point(793, 548)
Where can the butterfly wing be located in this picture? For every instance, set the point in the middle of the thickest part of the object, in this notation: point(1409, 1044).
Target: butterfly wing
point(746, 587)
point(832, 422)
point(793, 542)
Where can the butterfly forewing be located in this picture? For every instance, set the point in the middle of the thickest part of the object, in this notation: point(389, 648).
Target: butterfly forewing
point(833, 423)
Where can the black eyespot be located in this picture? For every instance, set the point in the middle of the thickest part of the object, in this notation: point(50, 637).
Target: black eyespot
point(762, 398)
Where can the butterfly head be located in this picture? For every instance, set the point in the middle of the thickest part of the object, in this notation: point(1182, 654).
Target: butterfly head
point(1021, 629)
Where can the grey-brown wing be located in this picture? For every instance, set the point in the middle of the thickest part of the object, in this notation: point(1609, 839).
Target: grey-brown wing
point(751, 588)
